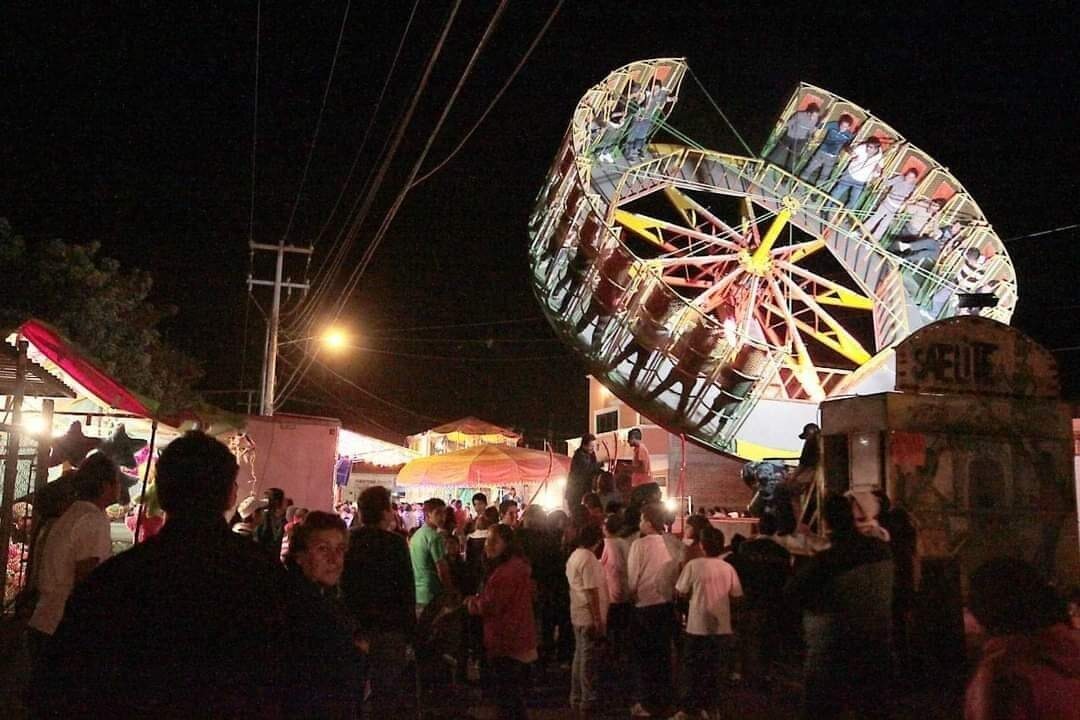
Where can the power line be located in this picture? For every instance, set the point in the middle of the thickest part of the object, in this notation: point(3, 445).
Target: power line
point(520, 321)
point(318, 121)
point(334, 257)
point(498, 96)
point(367, 393)
point(395, 140)
point(255, 119)
point(369, 252)
point(371, 121)
point(459, 358)
point(1040, 233)
point(388, 218)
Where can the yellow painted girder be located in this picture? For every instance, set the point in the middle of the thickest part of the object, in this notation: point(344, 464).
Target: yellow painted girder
point(837, 340)
point(805, 249)
point(686, 207)
point(641, 225)
point(842, 297)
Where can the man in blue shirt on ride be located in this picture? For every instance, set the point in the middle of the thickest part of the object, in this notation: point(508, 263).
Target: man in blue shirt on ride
point(838, 133)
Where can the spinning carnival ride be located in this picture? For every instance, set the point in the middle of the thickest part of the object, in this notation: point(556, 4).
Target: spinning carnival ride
point(722, 295)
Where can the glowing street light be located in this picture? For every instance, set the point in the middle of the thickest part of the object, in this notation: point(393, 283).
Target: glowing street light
point(335, 339)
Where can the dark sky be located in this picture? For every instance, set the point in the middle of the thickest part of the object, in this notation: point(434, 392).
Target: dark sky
point(131, 124)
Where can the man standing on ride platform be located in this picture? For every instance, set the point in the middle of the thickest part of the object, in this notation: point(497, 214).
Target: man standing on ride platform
point(641, 467)
point(583, 471)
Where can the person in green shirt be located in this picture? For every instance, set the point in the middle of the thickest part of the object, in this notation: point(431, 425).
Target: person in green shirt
point(428, 553)
point(431, 573)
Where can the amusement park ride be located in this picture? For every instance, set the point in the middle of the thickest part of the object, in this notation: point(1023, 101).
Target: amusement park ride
point(726, 296)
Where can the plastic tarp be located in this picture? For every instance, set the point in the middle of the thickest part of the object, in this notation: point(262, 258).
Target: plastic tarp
point(470, 428)
point(63, 354)
point(485, 466)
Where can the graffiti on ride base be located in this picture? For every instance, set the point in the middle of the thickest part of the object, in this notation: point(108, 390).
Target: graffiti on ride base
point(955, 363)
point(974, 356)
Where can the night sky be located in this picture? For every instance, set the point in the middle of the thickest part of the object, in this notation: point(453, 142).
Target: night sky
point(131, 124)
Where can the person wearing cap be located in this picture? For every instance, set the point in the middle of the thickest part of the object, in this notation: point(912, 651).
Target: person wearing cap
point(208, 606)
point(641, 466)
point(248, 509)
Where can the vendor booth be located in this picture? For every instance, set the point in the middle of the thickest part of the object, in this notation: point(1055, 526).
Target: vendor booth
point(534, 475)
point(975, 444)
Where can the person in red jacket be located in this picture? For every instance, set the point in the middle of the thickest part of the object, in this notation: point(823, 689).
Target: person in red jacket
point(1030, 665)
point(505, 605)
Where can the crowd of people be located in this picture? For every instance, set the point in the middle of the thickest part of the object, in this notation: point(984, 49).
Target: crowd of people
point(305, 615)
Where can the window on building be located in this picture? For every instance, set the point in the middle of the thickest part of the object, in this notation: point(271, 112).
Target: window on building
point(607, 421)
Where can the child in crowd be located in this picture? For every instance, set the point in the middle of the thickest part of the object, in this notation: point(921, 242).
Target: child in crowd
point(588, 613)
point(711, 583)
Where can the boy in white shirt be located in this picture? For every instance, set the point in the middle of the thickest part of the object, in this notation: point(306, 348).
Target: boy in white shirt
point(711, 583)
point(652, 568)
point(588, 613)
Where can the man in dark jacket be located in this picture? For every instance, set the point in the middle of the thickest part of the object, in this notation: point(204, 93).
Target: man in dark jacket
point(378, 589)
point(204, 612)
point(583, 471)
point(846, 596)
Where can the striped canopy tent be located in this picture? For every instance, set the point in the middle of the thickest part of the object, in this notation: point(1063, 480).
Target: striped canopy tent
point(475, 430)
point(485, 466)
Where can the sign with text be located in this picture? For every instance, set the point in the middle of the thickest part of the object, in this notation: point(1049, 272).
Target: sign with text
point(974, 356)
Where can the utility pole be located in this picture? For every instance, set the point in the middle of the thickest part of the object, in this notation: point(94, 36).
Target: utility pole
point(266, 406)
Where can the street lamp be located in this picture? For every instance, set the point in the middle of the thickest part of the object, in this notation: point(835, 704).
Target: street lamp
point(332, 338)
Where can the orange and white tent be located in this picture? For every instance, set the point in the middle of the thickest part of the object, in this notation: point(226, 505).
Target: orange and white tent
point(485, 466)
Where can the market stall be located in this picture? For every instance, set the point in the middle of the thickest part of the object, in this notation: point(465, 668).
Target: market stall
point(535, 475)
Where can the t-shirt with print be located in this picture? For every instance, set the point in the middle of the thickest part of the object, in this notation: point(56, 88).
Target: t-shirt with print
point(584, 572)
point(711, 583)
point(426, 549)
point(82, 532)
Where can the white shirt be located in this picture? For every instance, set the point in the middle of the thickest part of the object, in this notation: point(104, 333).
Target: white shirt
point(711, 583)
point(651, 570)
point(82, 532)
point(584, 572)
point(614, 561)
point(863, 166)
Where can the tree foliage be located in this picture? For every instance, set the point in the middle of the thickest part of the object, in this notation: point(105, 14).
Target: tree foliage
point(101, 307)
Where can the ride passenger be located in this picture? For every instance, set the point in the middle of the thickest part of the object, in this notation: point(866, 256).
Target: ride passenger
point(897, 189)
point(797, 131)
point(838, 134)
point(864, 166)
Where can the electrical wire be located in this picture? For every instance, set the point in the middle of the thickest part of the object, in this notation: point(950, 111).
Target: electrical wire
point(318, 122)
point(521, 321)
point(1040, 233)
point(332, 261)
point(498, 96)
point(388, 218)
point(255, 119)
point(369, 252)
point(367, 393)
point(367, 130)
point(298, 374)
point(457, 358)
